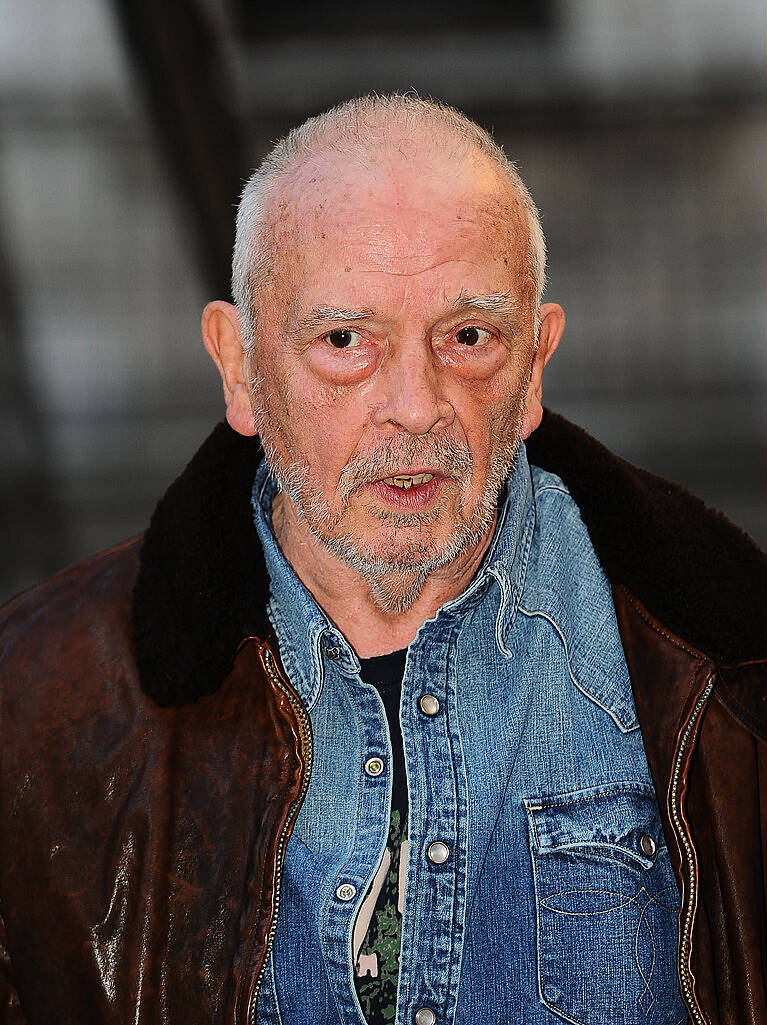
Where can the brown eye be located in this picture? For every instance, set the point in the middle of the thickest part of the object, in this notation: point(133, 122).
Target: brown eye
point(471, 335)
point(343, 338)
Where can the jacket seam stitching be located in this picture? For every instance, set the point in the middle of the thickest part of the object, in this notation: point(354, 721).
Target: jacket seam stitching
point(644, 615)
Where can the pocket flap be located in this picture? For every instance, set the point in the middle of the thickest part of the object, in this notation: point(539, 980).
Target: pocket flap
point(619, 817)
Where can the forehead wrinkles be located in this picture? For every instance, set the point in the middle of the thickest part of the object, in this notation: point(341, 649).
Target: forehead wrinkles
point(379, 218)
point(402, 240)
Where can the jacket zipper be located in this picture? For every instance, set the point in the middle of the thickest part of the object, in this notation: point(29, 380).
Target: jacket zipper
point(688, 862)
point(307, 749)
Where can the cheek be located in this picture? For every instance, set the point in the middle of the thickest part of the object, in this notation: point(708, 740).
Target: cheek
point(488, 416)
point(335, 434)
point(293, 399)
point(488, 400)
point(322, 424)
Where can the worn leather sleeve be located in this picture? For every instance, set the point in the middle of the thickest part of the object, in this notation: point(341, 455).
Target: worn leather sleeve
point(727, 808)
point(11, 1012)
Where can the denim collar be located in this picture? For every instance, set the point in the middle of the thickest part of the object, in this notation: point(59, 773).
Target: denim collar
point(567, 586)
point(305, 631)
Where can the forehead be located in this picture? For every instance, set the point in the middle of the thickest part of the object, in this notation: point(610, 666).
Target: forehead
point(354, 223)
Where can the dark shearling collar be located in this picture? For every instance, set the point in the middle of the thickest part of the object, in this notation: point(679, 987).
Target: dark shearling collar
point(202, 585)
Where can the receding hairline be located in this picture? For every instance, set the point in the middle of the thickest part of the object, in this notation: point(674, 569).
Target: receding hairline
point(306, 182)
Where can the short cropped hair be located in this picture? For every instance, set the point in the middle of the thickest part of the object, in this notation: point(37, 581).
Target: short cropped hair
point(351, 122)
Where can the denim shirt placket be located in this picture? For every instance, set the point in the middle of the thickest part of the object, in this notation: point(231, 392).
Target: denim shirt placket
point(435, 893)
point(374, 804)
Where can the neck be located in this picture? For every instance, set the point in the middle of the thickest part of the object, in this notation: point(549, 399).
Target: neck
point(346, 596)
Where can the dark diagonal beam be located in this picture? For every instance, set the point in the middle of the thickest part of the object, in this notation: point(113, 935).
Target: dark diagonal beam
point(181, 72)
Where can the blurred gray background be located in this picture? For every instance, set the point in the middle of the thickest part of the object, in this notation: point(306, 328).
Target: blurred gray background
point(127, 128)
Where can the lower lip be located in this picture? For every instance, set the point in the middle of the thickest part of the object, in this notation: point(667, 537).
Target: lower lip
point(420, 496)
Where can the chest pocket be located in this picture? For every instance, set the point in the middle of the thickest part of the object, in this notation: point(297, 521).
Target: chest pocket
point(606, 907)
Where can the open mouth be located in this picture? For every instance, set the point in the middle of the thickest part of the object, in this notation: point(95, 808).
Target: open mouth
point(407, 481)
point(410, 491)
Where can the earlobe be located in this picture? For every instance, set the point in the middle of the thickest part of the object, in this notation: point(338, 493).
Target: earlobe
point(239, 416)
point(222, 337)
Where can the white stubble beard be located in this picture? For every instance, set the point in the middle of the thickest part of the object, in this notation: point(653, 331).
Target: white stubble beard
point(394, 583)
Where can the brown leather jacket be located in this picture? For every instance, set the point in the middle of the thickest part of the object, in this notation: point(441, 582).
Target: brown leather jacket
point(153, 756)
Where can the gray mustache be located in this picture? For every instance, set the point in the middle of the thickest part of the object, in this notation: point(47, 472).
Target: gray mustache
point(389, 458)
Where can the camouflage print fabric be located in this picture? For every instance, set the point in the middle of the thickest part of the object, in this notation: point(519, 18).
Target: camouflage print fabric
point(377, 961)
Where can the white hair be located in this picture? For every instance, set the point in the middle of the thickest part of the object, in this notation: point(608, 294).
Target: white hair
point(350, 123)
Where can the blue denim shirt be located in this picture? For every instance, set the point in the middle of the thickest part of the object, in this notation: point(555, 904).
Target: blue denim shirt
point(557, 899)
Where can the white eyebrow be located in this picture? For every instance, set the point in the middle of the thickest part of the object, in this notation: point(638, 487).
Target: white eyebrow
point(502, 303)
point(328, 314)
point(496, 302)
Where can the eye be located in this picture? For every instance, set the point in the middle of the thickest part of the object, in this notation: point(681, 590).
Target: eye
point(472, 335)
point(344, 338)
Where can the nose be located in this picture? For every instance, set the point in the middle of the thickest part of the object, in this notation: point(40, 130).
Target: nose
point(411, 397)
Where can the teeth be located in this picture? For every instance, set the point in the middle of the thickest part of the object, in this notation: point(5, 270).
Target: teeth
point(402, 481)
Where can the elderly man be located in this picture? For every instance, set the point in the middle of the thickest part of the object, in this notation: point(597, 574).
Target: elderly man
point(406, 707)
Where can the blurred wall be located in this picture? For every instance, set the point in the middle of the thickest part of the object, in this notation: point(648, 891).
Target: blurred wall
point(638, 127)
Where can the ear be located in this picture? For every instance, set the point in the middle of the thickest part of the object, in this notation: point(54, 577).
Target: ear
point(552, 320)
point(222, 336)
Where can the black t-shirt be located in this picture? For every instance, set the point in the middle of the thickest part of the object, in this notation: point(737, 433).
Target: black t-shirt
point(376, 973)
point(385, 673)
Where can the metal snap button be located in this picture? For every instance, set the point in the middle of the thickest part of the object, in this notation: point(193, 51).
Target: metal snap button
point(552, 993)
point(428, 704)
point(333, 652)
point(438, 852)
point(374, 766)
point(647, 845)
point(346, 892)
point(425, 1016)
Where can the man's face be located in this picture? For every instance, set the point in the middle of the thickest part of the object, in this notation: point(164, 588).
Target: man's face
point(393, 355)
